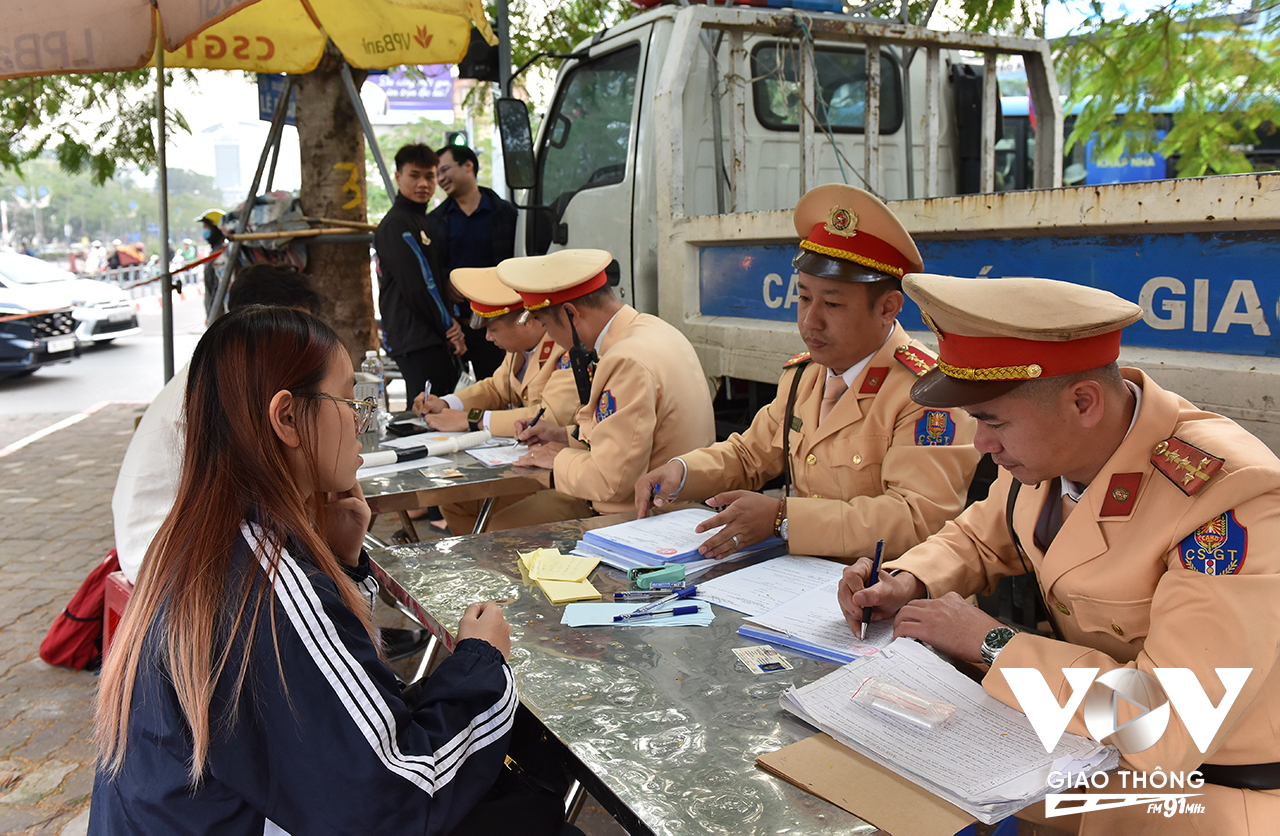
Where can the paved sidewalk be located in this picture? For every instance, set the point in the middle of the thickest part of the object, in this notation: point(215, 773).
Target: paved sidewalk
point(56, 506)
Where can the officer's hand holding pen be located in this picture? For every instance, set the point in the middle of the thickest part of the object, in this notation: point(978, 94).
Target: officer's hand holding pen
point(885, 598)
point(658, 487)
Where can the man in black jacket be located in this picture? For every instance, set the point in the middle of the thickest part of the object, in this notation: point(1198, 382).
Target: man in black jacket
point(422, 334)
point(473, 227)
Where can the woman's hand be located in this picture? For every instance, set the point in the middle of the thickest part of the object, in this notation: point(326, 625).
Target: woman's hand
point(348, 518)
point(485, 621)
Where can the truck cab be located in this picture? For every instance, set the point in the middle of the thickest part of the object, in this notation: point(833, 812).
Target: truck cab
point(680, 140)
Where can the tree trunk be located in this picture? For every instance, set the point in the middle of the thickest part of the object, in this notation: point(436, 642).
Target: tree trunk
point(333, 186)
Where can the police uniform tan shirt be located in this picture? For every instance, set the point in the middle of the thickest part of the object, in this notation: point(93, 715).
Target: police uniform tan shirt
point(1141, 574)
point(649, 403)
point(547, 382)
point(879, 465)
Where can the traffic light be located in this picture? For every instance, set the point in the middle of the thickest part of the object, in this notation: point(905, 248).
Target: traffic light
point(455, 138)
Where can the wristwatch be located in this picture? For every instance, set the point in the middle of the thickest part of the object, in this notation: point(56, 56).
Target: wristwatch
point(997, 638)
point(473, 419)
point(782, 530)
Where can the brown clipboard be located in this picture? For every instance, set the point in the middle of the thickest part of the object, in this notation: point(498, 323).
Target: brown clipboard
point(835, 773)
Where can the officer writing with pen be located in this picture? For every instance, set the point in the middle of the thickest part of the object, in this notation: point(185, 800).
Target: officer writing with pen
point(533, 379)
point(1150, 526)
point(643, 395)
point(862, 461)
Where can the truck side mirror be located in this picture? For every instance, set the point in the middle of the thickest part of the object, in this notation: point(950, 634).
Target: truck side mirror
point(517, 143)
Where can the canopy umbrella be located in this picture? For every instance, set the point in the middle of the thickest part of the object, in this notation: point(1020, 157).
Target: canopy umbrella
point(50, 37)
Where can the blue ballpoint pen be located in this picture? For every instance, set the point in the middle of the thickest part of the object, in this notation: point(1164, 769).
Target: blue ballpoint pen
point(682, 594)
point(871, 581)
point(689, 610)
point(534, 422)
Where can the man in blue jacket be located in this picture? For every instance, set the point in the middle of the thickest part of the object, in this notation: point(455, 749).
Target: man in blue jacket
point(473, 227)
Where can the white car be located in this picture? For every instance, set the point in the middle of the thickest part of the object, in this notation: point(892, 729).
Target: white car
point(102, 311)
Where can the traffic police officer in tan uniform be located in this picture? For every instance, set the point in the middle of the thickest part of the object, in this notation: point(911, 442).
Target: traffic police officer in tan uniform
point(865, 462)
point(644, 395)
point(534, 378)
point(534, 374)
point(1150, 525)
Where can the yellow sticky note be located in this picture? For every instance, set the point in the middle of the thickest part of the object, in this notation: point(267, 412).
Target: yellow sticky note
point(562, 592)
point(551, 565)
point(526, 560)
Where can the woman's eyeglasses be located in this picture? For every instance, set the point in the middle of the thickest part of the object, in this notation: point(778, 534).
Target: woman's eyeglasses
point(365, 410)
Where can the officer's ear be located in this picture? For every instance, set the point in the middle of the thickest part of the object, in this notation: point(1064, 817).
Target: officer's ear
point(889, 305)
point(1086, 401)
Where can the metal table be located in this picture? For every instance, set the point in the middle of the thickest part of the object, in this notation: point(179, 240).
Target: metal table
point(662, 725)
point(406, 490)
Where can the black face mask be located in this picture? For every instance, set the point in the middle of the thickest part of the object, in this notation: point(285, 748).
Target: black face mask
point(583, 362)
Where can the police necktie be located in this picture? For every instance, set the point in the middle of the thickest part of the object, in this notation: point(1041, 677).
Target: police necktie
point(835, 388)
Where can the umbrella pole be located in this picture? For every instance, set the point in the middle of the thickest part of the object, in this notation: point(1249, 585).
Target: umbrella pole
point(363, 116)
point(162, 183)
point(242, 222)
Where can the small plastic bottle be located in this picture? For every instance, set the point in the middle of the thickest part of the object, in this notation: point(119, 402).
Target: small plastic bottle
point(372, 364)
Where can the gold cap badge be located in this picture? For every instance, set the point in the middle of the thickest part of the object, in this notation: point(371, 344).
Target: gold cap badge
point(842, 221)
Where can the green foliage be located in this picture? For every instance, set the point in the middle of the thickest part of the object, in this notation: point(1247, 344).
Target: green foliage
point(91, 123)
point(1220, 68)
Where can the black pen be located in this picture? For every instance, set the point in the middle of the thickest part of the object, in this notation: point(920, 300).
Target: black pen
point(871, 581)
point(534, 422)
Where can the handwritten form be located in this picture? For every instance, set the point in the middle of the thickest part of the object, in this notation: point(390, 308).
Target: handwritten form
point(498, 456)
point(815, 618)
point(757, 589)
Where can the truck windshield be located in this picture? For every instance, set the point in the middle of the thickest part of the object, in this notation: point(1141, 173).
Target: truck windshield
point(841, 88)
point(589, 129)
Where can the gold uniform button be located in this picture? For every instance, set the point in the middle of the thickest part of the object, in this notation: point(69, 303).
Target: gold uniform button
point(811, 459)
point(1062, 608)
point(1116, 628)
point(817, 496)
point(857, 459)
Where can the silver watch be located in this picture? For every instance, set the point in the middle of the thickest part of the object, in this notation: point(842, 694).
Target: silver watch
point(996, 639)
point(782, 530)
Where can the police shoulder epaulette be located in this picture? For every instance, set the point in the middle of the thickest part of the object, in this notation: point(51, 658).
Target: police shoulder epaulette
point(917, 361)
point(1185, 465)
point(802, 357)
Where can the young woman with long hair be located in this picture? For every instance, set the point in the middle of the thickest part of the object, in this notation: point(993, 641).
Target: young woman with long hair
point(244, 688)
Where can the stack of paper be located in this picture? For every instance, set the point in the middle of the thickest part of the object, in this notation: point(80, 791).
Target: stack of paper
point(986, 760)
point(561, 577)
point(665, 538)
point(601, 615)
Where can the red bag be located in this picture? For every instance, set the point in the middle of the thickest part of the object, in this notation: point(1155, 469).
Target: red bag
point(75, 639)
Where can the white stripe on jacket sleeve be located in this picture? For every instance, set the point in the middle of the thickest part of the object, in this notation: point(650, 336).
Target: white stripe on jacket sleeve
point(357, 691)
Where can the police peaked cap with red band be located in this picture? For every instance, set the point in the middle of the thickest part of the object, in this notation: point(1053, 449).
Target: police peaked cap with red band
point(488, 297)
point(849, 235)
point(996, 334)
point(550, 279)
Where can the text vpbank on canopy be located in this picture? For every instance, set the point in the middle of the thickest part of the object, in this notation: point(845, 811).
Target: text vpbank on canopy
point(46, 37)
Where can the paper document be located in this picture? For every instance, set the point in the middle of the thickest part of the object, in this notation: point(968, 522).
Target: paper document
point(498, 456)
point(813, 623)
point(986, 759)
point(757, 589)
point(665, 538)
point(601, 615)
point(413, 464)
